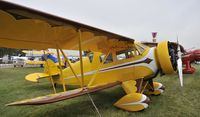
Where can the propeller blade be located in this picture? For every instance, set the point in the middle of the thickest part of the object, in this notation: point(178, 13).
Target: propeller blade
point(179, 62)
point(180, 71)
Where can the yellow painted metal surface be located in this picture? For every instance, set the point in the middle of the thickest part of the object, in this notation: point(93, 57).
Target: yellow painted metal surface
point(34, 77)
point(164, 57)
point(51, 68)
point(132, 102)
point(131, 73)
point(129, 86)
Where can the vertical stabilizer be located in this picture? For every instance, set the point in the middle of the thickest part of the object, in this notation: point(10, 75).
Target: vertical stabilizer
point(51, 68)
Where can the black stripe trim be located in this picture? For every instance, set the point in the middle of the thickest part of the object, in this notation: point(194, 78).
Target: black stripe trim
point(147, 60)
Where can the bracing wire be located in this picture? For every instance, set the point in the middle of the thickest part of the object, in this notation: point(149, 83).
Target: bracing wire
point(97, 110)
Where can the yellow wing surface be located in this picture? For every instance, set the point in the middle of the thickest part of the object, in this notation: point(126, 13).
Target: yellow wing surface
point(38, 52)
point(25, 28)
point(63, 95)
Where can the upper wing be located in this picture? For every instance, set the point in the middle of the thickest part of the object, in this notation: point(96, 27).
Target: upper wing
point(25, 28)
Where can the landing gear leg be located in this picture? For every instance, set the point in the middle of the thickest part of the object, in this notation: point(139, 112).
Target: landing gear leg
point(133, 101)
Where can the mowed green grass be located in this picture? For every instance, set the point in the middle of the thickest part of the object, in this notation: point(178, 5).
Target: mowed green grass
point(175, 101)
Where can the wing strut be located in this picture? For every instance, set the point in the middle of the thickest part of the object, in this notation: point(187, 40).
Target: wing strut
point(61, 71)
point(81, 59)
point(49, 72)
point(82, 74)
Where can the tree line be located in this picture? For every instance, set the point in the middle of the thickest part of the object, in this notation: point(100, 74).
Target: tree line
point(10, 52)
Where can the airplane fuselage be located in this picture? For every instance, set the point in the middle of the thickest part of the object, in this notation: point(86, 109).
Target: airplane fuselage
point(119, 69)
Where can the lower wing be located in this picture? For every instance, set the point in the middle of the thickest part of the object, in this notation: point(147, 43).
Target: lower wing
point(63, 95)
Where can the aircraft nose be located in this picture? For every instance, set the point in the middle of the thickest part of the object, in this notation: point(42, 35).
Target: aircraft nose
point(166, 57)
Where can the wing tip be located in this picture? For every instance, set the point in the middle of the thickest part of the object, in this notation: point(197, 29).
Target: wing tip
point(11, 104)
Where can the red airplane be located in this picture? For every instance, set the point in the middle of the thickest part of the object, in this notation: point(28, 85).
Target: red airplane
point(188, 58)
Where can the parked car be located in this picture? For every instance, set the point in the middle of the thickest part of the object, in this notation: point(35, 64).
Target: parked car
point(19, 62)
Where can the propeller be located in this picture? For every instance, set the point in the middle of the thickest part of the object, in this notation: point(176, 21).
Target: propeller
point(179, 63)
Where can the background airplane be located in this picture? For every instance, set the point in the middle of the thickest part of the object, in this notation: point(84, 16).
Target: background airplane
point(38, 57)
point(189, 57)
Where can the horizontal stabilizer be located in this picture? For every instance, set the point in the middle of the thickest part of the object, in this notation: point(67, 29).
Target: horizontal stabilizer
point(63, 95)
point(34, 77)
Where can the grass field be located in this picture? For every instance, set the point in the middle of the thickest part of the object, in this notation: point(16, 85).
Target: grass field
point(175, 101)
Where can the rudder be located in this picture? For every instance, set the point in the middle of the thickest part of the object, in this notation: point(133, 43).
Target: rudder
point(51, 68)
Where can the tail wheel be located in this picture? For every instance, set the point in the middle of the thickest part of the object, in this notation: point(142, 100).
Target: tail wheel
point(158, 88)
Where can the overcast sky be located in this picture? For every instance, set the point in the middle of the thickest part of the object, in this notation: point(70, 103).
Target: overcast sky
point(132, 18)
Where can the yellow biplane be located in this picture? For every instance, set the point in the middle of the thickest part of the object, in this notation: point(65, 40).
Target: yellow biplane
point(39, 60)
point(112, 59)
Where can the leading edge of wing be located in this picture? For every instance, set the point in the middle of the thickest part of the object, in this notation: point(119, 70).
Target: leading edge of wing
point(63, 95)
point(57, 21)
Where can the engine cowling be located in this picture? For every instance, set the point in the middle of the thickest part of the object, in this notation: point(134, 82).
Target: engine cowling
point(166, 54)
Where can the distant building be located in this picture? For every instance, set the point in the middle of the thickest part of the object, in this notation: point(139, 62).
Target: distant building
point(5, 59)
